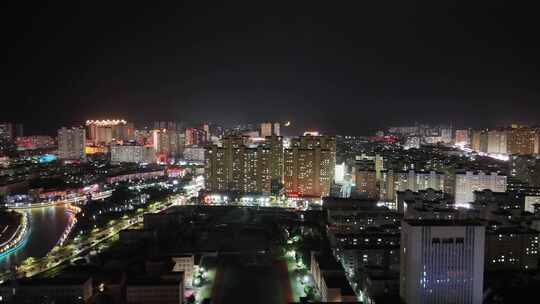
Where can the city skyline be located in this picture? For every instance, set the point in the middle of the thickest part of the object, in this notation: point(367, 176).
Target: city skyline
point(268, 152)
point(320, 67)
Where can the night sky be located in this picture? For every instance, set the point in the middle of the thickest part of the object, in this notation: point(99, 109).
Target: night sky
point(324, 64)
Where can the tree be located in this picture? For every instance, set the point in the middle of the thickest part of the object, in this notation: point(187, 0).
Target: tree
point(310, 292)
point(29, 261)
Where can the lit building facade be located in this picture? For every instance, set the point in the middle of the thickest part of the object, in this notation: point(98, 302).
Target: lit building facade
point(497, 142)
point(522, 140)
point(377, 163)
point(511, 248)
point(194, 153)
point(10, 130)
point(277, 129)
point(169, 125)
point(195, 137)
point(71, 143)
point(34, 142)
point(366, 183)
point(132, 154)
point(185, 264)
point(466, 183)
point(168, 143)
point(526, 168)
point(479, 140)
point(442, 262)
point(409, 180)
point(462, 138)
point(269, 129)
point(8, 133)
point(103, 132)
point(206, 129)
point(309, 165)
point(266, 129)
point(235, 167)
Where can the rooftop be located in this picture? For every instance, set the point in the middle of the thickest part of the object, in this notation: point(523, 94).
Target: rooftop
point(432, 222)
point(57, 281)
point(147, 281)
point(339, 281)
point(512, 230)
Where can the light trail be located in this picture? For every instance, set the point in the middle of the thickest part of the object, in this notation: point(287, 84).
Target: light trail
point(18, 239)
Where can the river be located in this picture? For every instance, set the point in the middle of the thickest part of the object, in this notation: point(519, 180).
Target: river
point(46, 227)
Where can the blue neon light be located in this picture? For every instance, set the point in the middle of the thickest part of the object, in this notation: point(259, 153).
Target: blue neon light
point(47, 158)
point(19, 246)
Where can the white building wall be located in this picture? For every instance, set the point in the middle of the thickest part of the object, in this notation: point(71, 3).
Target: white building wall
point(442, 264)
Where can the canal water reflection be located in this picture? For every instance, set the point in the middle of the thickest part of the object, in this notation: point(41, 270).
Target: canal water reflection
point(46, 227)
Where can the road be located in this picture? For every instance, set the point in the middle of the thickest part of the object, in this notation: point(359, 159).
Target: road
point(63, 254)
point(77, 247)
point(46, 225)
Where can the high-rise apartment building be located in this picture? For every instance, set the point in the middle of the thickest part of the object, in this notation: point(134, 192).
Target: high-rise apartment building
point(103, 132)
point(442, 261)
point(277, 130)
point(374, 162)
point(522, 140)
point(269, 129)
point(409, 180)
point(266, 129)
point(10, 130)
point(169, 144)
point(462, 138)
point(475, 140)
point(195, 137)
point(479, 140)
point(233, 166)
point(132, 154)
point(275, 144)
point(309, 165)
point(366, 183)
point(194, 153)
point(526, 168)
point(468, 182)
point(497, 141)
point(169, 125)
point(206, 129)
point(143, 137)
point(446, 133)
point(71, 143)
point(8, 133)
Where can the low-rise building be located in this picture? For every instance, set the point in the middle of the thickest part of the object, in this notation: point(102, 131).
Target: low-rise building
point(185, 263)
point(336, 288)
point(421, 196)
point(330, 278)
point(52, 290)
point(353, 216)
point(154, 291)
